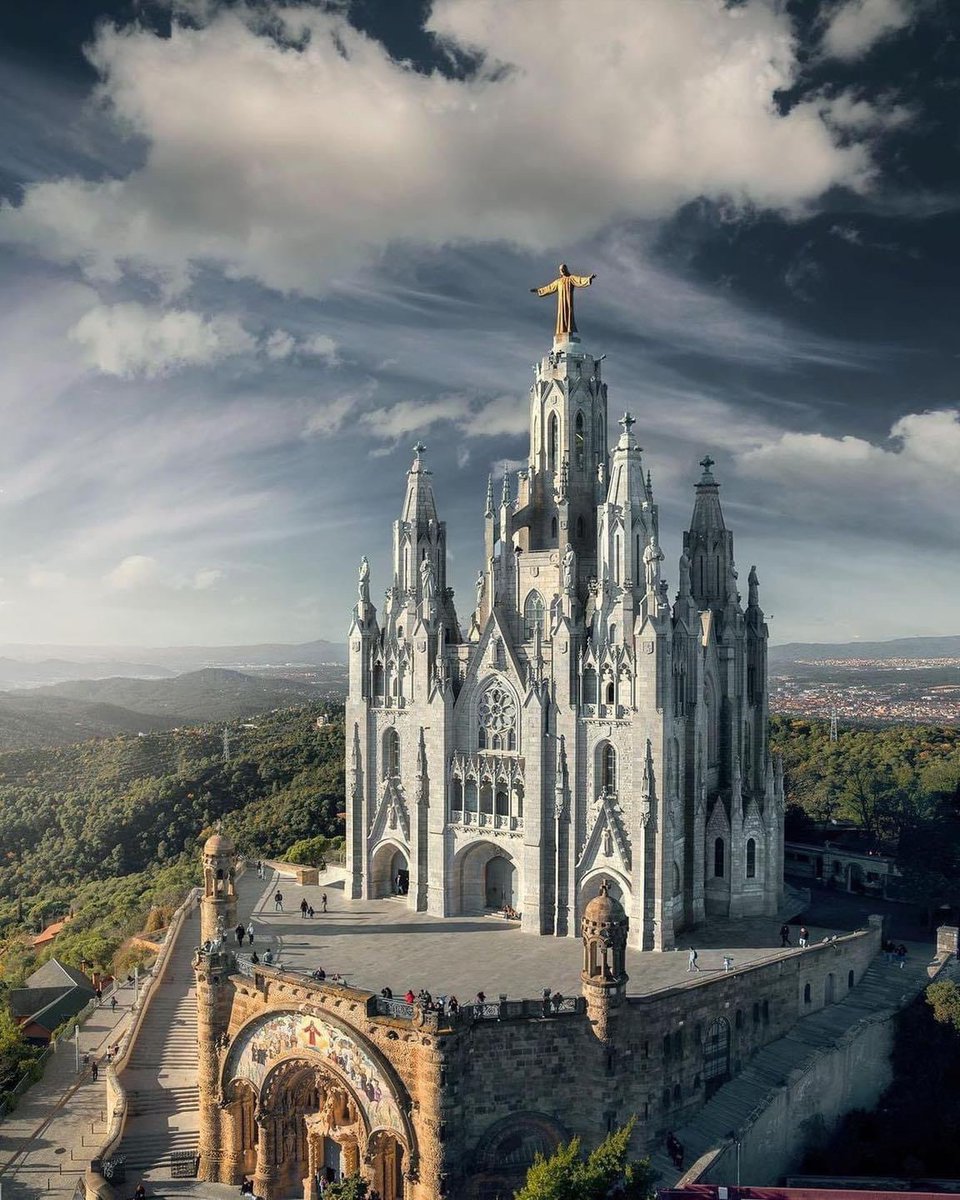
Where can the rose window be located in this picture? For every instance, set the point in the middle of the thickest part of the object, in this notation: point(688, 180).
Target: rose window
point(497, 718)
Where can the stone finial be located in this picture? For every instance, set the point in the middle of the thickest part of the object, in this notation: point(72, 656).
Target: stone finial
point(707, 462)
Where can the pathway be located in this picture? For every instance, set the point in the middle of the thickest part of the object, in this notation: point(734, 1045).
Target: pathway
point(46, 1142)
point(883, 987)
point(161, 1076)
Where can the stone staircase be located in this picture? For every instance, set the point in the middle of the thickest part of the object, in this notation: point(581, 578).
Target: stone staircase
point(161, 1075)
point(884, 986)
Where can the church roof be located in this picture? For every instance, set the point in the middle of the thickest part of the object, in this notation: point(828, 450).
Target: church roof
point(707, 514)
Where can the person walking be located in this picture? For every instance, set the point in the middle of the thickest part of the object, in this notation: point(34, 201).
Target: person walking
point(99, 995)
point(804, 937)
point(692, 964)
point(323, 902)
point(240, 933)
point(727, 963)
point(250, 933)
point(113, 1004)
point(278, 901)
point(310, 912)
point(94, 1070)
point(303, 908)
point(784, 935)
point(259, 869)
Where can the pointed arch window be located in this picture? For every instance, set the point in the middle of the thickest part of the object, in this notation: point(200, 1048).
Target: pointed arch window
point(589, 686)
point(608, 767)
point(578, 441)
point(553, 440)
point(533, 611)
point(391, 754)
point(719, 854)
point(497, 718)
point(751, 858)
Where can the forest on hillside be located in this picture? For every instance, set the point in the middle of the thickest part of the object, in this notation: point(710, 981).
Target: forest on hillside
point(111, 829)
point(898, 785)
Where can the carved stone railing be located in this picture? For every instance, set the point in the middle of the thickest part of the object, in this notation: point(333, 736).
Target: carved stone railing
point(481, 820)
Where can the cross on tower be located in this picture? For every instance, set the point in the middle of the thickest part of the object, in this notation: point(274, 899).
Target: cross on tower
point(627, 422)
point(706, 462)
point(419, 449)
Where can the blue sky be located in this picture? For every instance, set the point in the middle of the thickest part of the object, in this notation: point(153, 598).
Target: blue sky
point(251, 253)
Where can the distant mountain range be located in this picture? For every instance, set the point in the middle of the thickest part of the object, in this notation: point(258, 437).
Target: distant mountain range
point(913, 647)
point(72, 711)
point(34, 665)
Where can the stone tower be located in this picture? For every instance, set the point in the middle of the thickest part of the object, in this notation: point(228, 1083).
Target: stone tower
point(604, 974)
point(580, 726)
point(218, 906)
point(212, 967)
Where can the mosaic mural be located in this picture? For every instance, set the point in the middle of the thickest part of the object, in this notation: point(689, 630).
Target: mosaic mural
point(265, 1040)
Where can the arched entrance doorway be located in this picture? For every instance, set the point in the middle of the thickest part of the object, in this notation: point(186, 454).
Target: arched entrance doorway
point(500, 876)
point(484, 877)
point(390, 871)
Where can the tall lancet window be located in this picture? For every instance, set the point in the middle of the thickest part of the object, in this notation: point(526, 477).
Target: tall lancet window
point(553, 439)
point(391, 754)
point(497, 718)
point(578, 441)
point(533, 612)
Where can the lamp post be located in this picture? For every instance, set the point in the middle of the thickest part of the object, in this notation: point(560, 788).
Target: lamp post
point(76, 1044)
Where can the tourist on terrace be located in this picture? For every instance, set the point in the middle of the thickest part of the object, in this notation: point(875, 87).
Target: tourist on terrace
point(692, 961)
point(268, 957)
point(250, 933)
point(323, 902)
point(240, 933)
point(410, 997)
point(319, 975)
point(804, 937)
point(386, 993)
point(304, 908)
point(481, 998)
point(557, 999)
point(784, 935)
point(254, 958)
point(310, 912)
point(141, 1192)
point(278, 902)
point(454, 1006)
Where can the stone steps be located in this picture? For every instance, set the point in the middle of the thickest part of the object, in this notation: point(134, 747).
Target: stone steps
point(883, 987)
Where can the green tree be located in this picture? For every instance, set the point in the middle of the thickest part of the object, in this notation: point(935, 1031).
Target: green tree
point(351, 1188)
point(944, 999)
point(606, 1171)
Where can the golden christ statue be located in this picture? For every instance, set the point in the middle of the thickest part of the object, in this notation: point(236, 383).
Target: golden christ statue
point(563, 285)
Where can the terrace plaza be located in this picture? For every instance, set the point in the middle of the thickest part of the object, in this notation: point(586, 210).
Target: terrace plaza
point(303, 1080)
point(378, 943)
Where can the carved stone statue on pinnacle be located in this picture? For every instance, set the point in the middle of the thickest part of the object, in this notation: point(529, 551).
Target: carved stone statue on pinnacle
point(363, 582)
point(652, 558)
point(569, 572)
point(563, 285)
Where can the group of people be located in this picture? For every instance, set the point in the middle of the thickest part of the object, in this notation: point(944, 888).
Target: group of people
point(444, 1005)
point(895, 953)
point(510, 913)
point(320, 976)
point(803, 937)
point(307, 910)
point(242, 932)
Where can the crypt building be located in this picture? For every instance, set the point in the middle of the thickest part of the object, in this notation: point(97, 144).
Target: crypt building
point(578, 724)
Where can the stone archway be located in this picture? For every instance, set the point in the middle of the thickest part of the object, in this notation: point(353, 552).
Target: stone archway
point(507, 1149)
point(386, 1159)
point(389, 871)
point(309, 1125)
point(484, 877)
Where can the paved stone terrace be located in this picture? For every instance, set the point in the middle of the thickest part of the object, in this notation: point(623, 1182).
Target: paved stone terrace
point(373, 943)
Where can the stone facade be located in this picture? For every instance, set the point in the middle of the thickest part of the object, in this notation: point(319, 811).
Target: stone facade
point(581, 726)
point(299, 1077)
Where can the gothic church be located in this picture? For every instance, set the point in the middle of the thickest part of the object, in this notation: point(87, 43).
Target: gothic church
point(579, 726)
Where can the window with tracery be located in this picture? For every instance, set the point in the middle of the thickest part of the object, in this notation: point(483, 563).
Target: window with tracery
point(497, 719)
point(533, 614)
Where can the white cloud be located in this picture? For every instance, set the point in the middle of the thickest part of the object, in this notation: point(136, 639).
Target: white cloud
point(893, 490)
point(134, 572)
point(45, 578)
point(207, 578)
point(321, 346)
point(855, 26)
point(134, 339)
point(251, 165)
point(279, 344)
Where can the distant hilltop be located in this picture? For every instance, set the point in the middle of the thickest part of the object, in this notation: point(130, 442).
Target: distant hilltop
point(33, 665)
point(913, 647)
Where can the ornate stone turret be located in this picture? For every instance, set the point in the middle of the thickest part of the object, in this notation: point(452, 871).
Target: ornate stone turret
point(604, 976)
point(218, 908)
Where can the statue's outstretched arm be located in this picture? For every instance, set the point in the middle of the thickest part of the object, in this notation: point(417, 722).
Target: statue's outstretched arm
point(546, 289)
point(582, 280)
